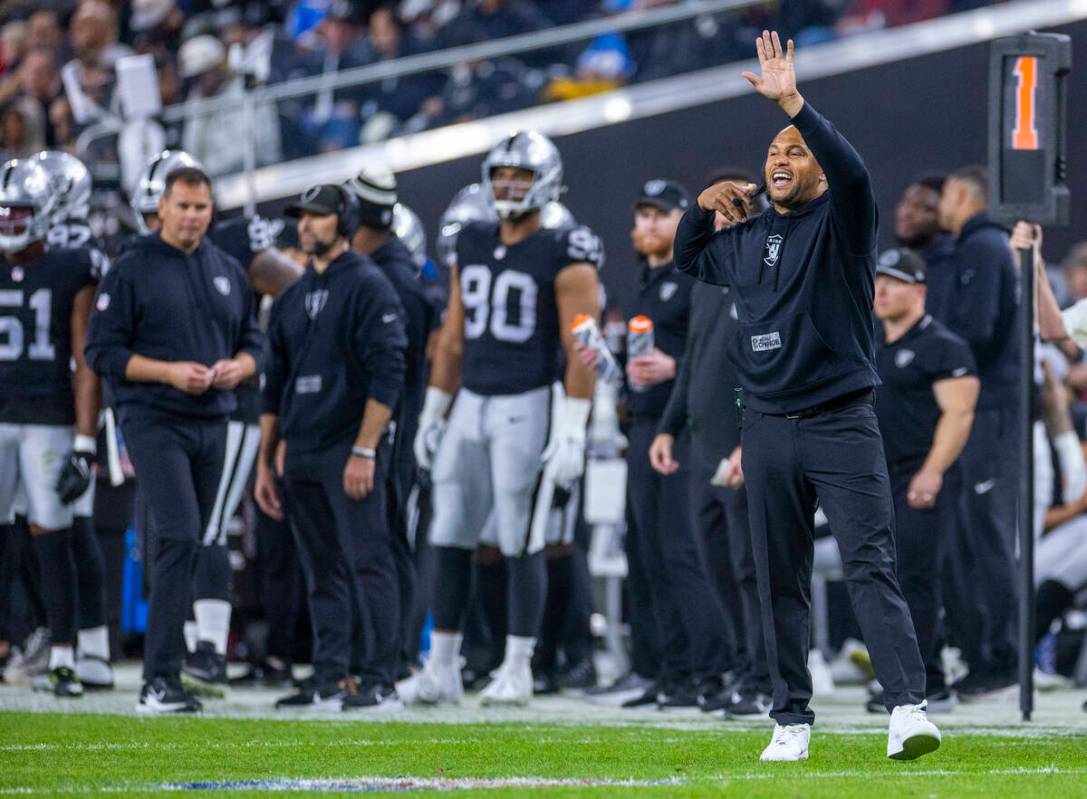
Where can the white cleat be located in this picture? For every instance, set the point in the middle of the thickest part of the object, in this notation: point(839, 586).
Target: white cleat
point(511, 685)
point(434, 685)
point(911, 734)
point(789, 743)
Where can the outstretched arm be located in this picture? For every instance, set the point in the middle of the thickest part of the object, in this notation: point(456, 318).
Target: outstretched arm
point(850, 184)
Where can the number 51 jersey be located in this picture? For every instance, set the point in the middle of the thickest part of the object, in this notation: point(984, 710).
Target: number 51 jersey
point(512, 341)
point(36, 301)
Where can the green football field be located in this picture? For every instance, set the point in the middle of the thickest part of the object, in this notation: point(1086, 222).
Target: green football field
point(53, 754)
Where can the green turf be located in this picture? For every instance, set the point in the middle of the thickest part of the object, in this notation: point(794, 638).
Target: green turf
point(52, 754)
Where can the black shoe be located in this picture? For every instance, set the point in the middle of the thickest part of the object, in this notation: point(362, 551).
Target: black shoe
point(580, 676)
point(749, 704)
point(64, 682)
point(684, 696)
point(977, 685)
point(264, 675)
point(646, 698)
point(206, 665)
point(376, 698)
point(299, 697)
point(545, 683)
point(874, 703)
point(166, 696)
point(629, 683)
point(714, 693)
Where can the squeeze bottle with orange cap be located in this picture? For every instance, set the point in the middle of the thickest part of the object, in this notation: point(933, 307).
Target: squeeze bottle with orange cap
point(639, 342)
point(586, 331)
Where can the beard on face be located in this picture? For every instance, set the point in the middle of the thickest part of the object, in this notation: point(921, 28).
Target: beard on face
point(320, 248)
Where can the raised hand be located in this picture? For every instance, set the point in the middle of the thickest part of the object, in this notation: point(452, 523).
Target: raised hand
point(778, 79)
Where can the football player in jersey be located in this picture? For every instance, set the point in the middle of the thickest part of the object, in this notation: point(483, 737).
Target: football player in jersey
point(47, 414)
point(69, 229)
point(515, 432)
point(251, 240)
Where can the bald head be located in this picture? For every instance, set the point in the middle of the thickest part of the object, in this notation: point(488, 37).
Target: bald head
point(793, 176)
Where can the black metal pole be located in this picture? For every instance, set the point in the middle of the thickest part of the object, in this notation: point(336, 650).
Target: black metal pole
point(1026, 489)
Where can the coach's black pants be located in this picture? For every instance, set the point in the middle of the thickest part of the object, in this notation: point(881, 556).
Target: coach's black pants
point(689, 618)
point(834, 458)
point(178, 463)
point(921, 536)
point(346, 552)
point(984, 591)
point(281, 585)
point(730, 564)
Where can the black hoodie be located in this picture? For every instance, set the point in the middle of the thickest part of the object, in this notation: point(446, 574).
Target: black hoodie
point(803, 282)
point(983, 305)
point(335, 340)
point(161, 303)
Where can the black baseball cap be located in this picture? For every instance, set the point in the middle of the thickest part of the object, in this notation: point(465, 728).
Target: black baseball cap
point(324, 198)
point(902, 264)
point(667, 195)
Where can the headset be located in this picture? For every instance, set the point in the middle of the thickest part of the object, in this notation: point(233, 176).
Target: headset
point(349, 214)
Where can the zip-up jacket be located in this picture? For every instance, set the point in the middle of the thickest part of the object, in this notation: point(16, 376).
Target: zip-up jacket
point(804, 282)
point(161, 303)
point(335, 340)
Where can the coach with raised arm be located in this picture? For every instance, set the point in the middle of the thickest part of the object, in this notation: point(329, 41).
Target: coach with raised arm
point(803, 275)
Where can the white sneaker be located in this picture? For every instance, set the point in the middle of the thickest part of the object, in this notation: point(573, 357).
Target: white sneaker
point(94, 673)
point(433, 685)
point(511, 685)
point(789, 743)
point(911, 734)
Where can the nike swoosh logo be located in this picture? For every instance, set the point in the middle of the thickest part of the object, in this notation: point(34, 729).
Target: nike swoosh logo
point(388, 318)
point(984, 488)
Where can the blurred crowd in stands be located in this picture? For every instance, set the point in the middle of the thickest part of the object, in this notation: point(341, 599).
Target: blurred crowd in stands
point(58, 79)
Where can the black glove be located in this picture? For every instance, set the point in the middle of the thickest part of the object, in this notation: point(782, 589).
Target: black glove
point(75, 477)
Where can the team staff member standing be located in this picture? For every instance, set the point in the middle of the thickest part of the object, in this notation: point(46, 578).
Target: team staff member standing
point(336, 369)
point(803, 274)
point(925, 408)
point(173, 333)
point(662, 543)
point(703, 404)
point(982, 308)
point(375, 190)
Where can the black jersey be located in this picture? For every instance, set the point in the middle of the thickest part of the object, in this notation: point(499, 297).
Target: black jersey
point(76, 234)
point(36, 301)
point(512, 341)
point(905, 405)
point(245, 236)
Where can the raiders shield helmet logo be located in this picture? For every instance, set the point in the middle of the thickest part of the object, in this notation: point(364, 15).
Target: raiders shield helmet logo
point(222, 284)
point(315, 302)
point(773, 249)
point(668, 290)
point(903, 358)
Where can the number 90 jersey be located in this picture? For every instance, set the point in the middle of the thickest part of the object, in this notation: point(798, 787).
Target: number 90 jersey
point(512, 341)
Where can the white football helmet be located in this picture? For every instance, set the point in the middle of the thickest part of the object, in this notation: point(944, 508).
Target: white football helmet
point(470, 204)
point(152, 182)
point(409, 229)
point(71, 183)
point(527, 150)
point(27, 204)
